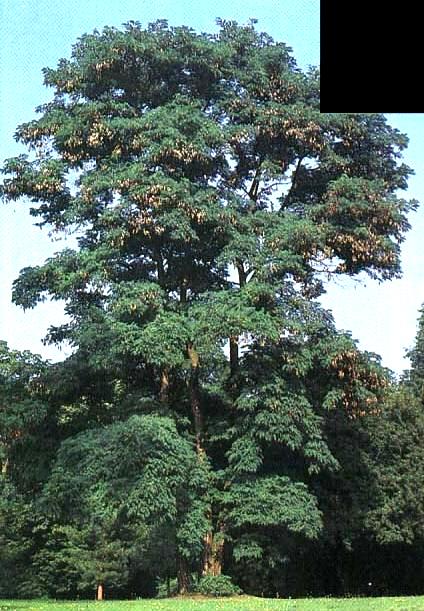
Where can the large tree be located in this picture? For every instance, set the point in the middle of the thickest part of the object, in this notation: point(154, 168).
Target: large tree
point(26, 446)
point(210, 199)
point(23, 413)
point(414, 377)
point(112, 489)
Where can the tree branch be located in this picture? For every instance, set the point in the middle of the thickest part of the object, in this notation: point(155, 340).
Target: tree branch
point(254, 187)
point(293, 183)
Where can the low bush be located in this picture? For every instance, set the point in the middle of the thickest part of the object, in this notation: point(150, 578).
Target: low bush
point(219, 585)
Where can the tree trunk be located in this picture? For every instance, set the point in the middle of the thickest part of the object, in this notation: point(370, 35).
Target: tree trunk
point(183, 577)
point(234, 340)
point(234, 355)
point(5, 466)
point(160, 268)
point(211, 560)
point(195, 400)
point(254, 188)
point(213, 544)
point(164, 386)
point(100, 592)
point(241, 273)
point(183, 291)
point(218, 554)
point(214, 552)
point(207, 553)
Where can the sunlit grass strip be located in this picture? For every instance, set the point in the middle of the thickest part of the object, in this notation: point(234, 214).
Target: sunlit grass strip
point(240, 603)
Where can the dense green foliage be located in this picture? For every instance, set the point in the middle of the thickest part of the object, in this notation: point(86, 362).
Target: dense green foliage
point(211, 417)
point(217, 585)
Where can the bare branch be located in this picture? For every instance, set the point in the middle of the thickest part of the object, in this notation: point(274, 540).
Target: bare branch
point(293, 183)
point(254, 187)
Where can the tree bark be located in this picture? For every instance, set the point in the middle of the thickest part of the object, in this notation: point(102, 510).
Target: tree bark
point(207, 553)
point(183, 577)
point(213, 544)
point(5, 466)
point(164, 386)
point(293, 183)
point(183, 291)
point(100, 592)
point(196, 409)
point(160, 268)
point(254, 188)
point(214, 552)
point(241, 273)
point(234, 354)
point(234, 340)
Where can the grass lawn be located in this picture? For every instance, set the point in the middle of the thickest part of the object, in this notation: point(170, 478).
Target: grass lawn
point(239, 603)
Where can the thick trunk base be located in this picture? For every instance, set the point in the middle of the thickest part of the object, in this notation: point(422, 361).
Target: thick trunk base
point(100, 595)
point(183, 577)
point(214, 554)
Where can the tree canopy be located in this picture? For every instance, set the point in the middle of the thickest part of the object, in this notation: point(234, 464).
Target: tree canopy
point(210, 199)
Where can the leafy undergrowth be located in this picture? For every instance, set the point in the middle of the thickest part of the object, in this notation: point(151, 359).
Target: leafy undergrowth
point(239, 603)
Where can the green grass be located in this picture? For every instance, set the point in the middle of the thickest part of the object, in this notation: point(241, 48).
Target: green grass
point(240, 603)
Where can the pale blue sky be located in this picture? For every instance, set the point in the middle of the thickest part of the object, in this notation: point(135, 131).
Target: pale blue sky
point(383, 316)
point(37, 33)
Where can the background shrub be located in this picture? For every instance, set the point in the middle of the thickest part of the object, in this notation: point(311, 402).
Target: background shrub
point(219, 585)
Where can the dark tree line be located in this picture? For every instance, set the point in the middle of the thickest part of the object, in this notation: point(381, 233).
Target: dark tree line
point(211, 420)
